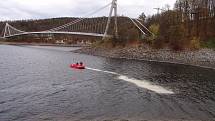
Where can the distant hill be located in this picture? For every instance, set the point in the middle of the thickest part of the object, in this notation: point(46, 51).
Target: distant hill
point(46, 24)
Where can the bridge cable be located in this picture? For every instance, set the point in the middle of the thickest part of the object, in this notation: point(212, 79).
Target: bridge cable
point(15, 28)
point(145, 27)
point(76, 21)
point(137, 25)
point(80, 19)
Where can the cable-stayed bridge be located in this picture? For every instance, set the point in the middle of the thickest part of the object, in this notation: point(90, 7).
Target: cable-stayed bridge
point(85, 26)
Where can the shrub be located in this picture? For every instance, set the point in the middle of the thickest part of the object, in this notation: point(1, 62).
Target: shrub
point(194, 43)
point(177, 37)
point(154, 28)
point(209, 44)
point(159, 43)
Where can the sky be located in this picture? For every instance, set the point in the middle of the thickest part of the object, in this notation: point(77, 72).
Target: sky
point(41, 9)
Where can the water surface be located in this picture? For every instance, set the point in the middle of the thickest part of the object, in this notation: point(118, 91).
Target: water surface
point(36, 84)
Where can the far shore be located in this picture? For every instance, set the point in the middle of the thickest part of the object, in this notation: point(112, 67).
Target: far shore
point(43, 44)
point(202, 58)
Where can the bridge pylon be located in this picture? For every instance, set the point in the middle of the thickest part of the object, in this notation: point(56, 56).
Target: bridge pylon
point(9, 31)
point(113, 8)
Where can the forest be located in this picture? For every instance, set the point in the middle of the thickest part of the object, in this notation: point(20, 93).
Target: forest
point(190, 25)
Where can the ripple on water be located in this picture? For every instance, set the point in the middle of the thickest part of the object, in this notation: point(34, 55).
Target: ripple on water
point(37, 84)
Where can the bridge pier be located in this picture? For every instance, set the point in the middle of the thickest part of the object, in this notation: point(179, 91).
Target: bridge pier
point(113, 8)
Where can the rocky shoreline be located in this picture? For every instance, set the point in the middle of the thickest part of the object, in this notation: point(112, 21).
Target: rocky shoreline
point(203, 57)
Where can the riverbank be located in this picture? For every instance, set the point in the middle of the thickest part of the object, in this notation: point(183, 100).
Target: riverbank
point(202, 57)
point(43, 44)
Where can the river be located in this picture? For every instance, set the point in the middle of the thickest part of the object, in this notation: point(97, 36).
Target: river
point(37, 84)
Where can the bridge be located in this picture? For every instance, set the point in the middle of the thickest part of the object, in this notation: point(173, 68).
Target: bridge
point(79, 26)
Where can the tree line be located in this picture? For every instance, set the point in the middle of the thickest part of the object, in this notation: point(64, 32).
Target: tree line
point(189, 25)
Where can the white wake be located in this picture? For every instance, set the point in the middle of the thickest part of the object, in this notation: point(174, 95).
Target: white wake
point(140, 83)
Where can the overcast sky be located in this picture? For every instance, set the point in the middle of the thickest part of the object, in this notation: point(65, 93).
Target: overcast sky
point(39, 9)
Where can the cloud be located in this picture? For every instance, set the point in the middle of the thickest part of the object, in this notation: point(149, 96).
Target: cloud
point(39, 9)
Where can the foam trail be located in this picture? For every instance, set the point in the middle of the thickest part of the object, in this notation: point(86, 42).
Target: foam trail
point(140, 83)
point(109, 72)
point(147, 85)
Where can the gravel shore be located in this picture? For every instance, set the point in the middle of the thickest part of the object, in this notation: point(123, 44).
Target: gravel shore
point(202, 57)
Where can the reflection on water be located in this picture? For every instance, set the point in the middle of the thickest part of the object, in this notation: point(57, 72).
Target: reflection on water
point(36, 84)
point(56, 48)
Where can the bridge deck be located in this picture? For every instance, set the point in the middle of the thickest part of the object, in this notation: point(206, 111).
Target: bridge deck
point(53, 32)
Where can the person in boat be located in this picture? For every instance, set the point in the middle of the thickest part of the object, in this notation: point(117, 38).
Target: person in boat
point(78, 66)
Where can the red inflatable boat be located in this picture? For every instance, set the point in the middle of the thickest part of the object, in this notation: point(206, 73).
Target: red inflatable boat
point(77, 66)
